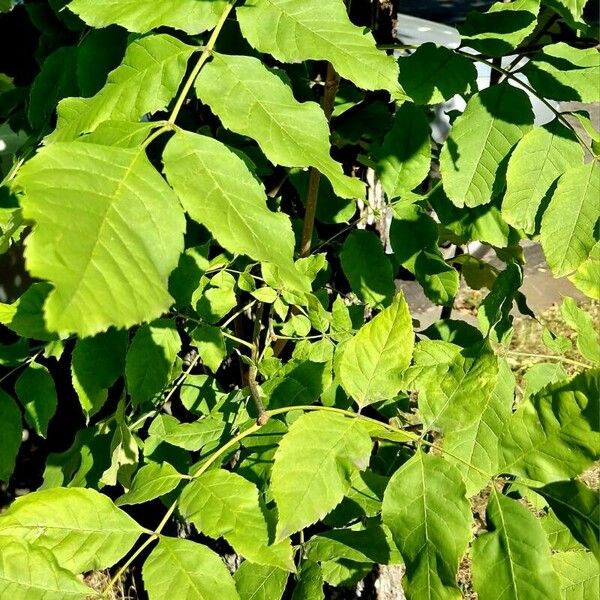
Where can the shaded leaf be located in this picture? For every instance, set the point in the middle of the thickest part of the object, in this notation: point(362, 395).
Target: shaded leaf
point(512, 561)
point(10, 417)
point(220, 503)
point(424, 506)
point(555, 434)
point(36, 391)
point(368, 269)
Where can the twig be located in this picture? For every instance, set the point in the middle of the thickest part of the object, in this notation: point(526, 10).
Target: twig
point(332, 83)
point(255, 390)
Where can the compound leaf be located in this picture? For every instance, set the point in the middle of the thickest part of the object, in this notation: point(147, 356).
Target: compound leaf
point(191, 16)
point(473, 158)
point(513, 560)
point(568, 225)
point(252, 100)
point(81, 527)
point(112, 269)
point(313, 468)
point(425, 507)
point(299, 30)
point(372, 362)
point(184, 570)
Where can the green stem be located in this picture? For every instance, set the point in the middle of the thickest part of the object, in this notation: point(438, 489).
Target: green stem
point(255, 390)
point(206, 52)
point(23, 364)
point(556, 357)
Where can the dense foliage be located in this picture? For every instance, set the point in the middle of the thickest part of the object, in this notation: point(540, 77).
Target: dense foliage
point(216, 284)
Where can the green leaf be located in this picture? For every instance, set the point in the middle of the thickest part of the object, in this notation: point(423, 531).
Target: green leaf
point(113, 268)
point(191, 16)
point(474, 156)
point(31, 573)
point(454, 384)
point(122, 134)
point(424, 506)
point(145, 82)
point(371, 365)
point(309, 585)
point(56, 80)
point(494, 316)
point(12, 429)
point(474, 450)
point(96, 365)
point(25, 316)
point(36, 391)
point(481, 223)
point(252, 100)
point(555, 434)
point(434, 74)
point(513, 560)
point(502, 28)
point(150, 359)
point(313, 468)
point(211, 346)
point(567, 233)
point(540, 375)
point(558, 533)
point(370, 544)
point(587, 276)
point(217, 189)
point(260, 582)
point(151, 481)
point(82, 528)
point(190, 436)
point(578, 574)
point(539, 159)
point(184, 570)
point(404, 157)
point(561, 72)
point(368, 269)
point(588, 339)
point(220, 503)
point(578, 507)
point(299, 30)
